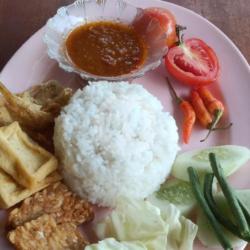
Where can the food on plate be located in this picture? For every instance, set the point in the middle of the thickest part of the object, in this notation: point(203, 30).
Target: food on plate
point(203, 115)
point(5, 117)
point(25, 161)
point(208, 109)
point(51, 96)
point(138, 221)
point(239, 225)
point(12, 193)
point(161, 19)
point(176, 192)
point(37, 107)
point(113, 139)
point(44, 233)
point(193, 62)
point(55, 200)
point(215, 108)
point(237, 217)
point(206, 234)
point(189, 116)
point(111, 243)
point(106, 48)
point(217, 227)
point(231, 157)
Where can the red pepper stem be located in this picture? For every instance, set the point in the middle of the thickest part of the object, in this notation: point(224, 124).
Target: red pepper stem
point(173, 92)
point(218, 114)
point(223, 128)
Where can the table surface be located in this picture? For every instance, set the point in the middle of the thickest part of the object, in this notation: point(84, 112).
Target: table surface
point(20, 19)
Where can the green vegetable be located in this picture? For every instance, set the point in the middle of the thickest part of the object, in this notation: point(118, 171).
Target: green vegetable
point(230, 197)
point(177, 192)
point(231, 158)
point(205, 232)
point(218, 213)
point(112, 244)
point(194, 180)
point(145, 224)
point(208, 238)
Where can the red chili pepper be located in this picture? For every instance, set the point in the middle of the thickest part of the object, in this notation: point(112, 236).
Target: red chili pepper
point(189, 116)
point(210, 101)
point(215, 108)
point(201, 111)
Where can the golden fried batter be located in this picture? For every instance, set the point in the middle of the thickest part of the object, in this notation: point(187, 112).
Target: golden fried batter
point(25, 161)
point(44, 233)
point(11, 193)
point(37, 107)
point(56, 200)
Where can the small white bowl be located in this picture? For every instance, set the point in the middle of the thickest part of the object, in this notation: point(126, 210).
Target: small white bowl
point(85, 11)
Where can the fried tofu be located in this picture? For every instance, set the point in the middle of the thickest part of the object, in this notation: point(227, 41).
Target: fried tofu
point(44, 233)
point(25, 161)
point(11, 193)
point(55, 200)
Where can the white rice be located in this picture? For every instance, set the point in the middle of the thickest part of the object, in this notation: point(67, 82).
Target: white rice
point(113, 139)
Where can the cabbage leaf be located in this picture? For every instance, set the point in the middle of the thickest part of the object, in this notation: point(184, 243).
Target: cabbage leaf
point(140, 225)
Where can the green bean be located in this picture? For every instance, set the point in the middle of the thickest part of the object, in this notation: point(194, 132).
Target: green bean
point(245, 211)
point(195, 183)
point(230, 197)
point(226, 222)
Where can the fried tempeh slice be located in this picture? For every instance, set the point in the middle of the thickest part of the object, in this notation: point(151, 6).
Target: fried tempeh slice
point(25, 161)
point(11, 193)
point(56, 200)
point(44, 233)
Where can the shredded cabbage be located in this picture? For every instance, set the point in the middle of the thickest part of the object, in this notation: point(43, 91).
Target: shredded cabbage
point(138, 225)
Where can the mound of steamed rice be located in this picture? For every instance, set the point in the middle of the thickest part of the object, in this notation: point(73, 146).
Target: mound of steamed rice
point(113, 139)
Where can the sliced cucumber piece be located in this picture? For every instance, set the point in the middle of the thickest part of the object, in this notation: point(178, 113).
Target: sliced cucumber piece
point(177, 192)
point(231, 157)
point(205, 231)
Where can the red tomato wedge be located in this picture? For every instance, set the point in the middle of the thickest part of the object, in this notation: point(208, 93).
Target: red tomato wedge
point(165, 19)
point(193, 62)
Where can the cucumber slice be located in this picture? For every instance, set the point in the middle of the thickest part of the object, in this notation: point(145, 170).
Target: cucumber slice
point(231, 157)
point(205, 232)
point(177, 192)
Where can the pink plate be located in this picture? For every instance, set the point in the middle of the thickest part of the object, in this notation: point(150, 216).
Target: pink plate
point(31, 65)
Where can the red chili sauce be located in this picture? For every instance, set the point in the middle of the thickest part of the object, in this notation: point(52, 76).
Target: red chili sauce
point(106, 48)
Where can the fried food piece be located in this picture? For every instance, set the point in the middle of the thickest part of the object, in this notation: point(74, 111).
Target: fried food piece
point(25, 112)
point(5, 117)
point(37, 107)
point(55, 200)
point(51, 96)
point(11, 193)
point(25, 161)
point(43, 233)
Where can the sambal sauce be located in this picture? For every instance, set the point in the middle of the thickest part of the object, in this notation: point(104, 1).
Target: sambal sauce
point(106, 48)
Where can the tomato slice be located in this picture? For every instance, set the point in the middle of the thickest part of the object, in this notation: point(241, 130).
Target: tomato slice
point(163, 17)
point(193, 62)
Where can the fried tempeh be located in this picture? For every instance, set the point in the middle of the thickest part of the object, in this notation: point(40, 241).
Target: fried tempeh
point(11, 193)
point(44, 233)
point(21, 158)
point(56, 200)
